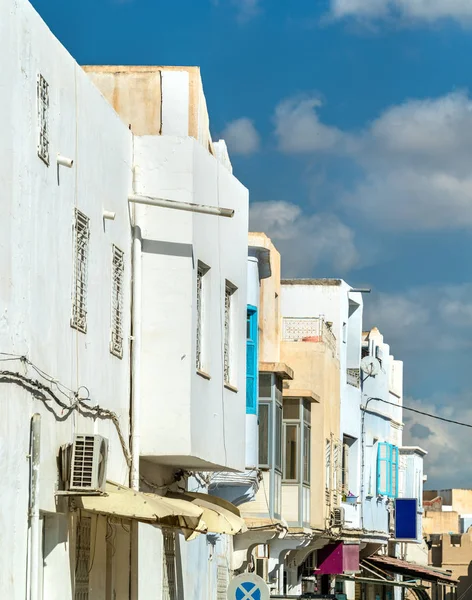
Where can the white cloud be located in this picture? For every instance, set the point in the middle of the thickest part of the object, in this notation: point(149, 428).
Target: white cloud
point(416, 10)
point(414, 160)
point(304, 240)
point(444, 464)
point(241, 136)
point(299, 128)
point(431, 317)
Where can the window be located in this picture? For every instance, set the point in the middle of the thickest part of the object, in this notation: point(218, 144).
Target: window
point(221, 582)
point(82, 558)
point(337, 471)
point(251, 360)
point(270, 424)
point(169, 576)
point(297, 440)
point(42, 92)
point(328, 471)
point(387, 470)
point(79, 292)
point(292, 449)
point(264, 445)
point(202, 271)
point(229, 291)
point(348, 443)
point(118, 267)
point(306, 453)
point(278, 437)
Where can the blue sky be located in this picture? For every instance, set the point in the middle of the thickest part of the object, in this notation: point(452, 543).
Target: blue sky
point(350, 121)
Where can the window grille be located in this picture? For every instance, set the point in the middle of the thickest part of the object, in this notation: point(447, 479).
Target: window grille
point(221, 582)
point(169, 576)
point(229, 291)
point(328, 472)
point(82, 558)
point(42, 92)
point(79, 293)
point(118, 267)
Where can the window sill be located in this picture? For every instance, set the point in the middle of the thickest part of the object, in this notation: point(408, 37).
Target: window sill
point(231, 388)
point(203, 374)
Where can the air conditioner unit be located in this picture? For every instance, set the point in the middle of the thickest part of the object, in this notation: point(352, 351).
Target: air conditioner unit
point(89, 463)
point(337, 517)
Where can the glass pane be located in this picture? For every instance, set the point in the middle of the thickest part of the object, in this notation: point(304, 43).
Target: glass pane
point(248, 327)
point(291, 452)
point(307, 411)
point(264, 434)
point(265, 385)
point(291, 409)
point(306, 453)
point(278, 437)
point(278, 389)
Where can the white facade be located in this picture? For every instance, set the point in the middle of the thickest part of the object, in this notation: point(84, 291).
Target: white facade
point(187, 419)
point(36, 277)
point(201, 410)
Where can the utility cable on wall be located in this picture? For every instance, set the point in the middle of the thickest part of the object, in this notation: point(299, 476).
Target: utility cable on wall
point(46, 394)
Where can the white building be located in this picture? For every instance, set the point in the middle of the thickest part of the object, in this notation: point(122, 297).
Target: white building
point(78, 259)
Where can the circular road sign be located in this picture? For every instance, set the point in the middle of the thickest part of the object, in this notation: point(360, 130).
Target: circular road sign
point(248, 586)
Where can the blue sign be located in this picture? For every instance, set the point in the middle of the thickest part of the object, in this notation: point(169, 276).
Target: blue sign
point(248, 591)
point(406, 519)
point(248, 586)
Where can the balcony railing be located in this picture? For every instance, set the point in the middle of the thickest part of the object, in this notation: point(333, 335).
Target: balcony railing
point(309, 329)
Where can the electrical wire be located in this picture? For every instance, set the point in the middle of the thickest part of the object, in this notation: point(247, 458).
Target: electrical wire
point(45, 394)
point(420, 412)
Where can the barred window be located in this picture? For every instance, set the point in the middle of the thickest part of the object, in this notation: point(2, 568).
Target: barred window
point(118, 267)
point(79, 292)
point(169, 574)
point(202, 271)
point(42, 92)
point(229, 291)
point(82, 558)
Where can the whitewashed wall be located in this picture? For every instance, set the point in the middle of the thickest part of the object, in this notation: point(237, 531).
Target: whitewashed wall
point(202, 415)
point(36, 267)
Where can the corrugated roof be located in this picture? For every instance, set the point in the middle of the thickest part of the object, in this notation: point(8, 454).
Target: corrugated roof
point(402, 566)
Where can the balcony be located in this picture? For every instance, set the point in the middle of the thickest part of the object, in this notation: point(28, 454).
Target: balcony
point(309, 329)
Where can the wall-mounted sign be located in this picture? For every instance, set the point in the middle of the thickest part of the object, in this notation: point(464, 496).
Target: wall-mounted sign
point(406, 519)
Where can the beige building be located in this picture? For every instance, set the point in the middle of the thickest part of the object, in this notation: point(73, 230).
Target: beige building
point(448, 530)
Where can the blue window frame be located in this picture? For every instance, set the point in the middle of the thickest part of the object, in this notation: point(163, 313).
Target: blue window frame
point(251, 361)
point(387, 470)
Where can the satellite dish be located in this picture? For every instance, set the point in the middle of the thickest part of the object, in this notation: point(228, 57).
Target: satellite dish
point(370, 366)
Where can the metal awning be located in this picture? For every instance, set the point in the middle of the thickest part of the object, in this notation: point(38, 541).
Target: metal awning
point(121, 501)
point(219, 516)
point(410, 569)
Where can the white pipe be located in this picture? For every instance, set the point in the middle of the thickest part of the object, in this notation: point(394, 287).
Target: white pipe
point(35, 457)
point(177, 205)
point(108, 214)
point(64, 161)
point(136, 356)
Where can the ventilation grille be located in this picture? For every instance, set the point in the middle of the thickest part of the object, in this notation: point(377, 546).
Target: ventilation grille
point(337, 517)
point(118, 267)
point(79, 292)
point(82, 466)
point(89, 462)
point(42, 92)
